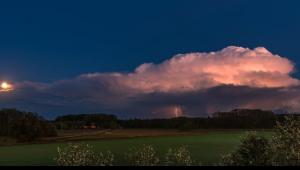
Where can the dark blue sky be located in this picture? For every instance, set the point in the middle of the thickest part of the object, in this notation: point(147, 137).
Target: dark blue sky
point(46, 41)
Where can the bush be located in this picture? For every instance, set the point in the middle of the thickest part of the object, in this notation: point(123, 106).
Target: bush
point(253, 151)
point(144, 156)
point(286, 143)
point(178, 157)
point(82, 155)
point(282, 150)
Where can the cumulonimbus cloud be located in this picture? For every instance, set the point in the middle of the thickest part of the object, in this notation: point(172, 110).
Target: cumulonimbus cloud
point(183, 82)
point(188, 72)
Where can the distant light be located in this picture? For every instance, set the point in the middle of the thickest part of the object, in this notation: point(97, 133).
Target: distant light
point(6, 87)
point(178, 111)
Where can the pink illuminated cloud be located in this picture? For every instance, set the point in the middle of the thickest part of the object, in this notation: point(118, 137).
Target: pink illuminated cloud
point(193, 83)
point(195, 71)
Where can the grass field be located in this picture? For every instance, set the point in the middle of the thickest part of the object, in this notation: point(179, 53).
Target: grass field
point(206, 147)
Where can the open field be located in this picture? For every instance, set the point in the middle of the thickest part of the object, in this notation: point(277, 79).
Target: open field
point(205, 146)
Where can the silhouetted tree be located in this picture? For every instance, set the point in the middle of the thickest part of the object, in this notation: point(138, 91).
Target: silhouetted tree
point(24, 126)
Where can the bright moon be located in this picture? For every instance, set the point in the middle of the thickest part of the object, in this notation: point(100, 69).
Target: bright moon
point(5, 87)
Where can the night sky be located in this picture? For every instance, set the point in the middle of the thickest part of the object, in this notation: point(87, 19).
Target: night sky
point(46, 43)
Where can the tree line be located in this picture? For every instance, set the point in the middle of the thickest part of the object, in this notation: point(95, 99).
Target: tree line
point(27, 126)
point(235, 119)
point(24, 126)
point(89, 121)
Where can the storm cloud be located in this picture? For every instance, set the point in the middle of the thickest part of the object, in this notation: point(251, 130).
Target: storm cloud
point(194, 84)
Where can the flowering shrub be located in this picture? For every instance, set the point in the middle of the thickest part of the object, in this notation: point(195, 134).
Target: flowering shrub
point(144, 156)
point(82, 155)
point(178, 157)
point(106, 159)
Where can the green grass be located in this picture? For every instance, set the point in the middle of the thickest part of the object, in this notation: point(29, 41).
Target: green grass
point(206, 148)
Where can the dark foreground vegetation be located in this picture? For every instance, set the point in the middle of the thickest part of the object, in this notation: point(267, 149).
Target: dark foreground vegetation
point(282, 149)
point(84, 155)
